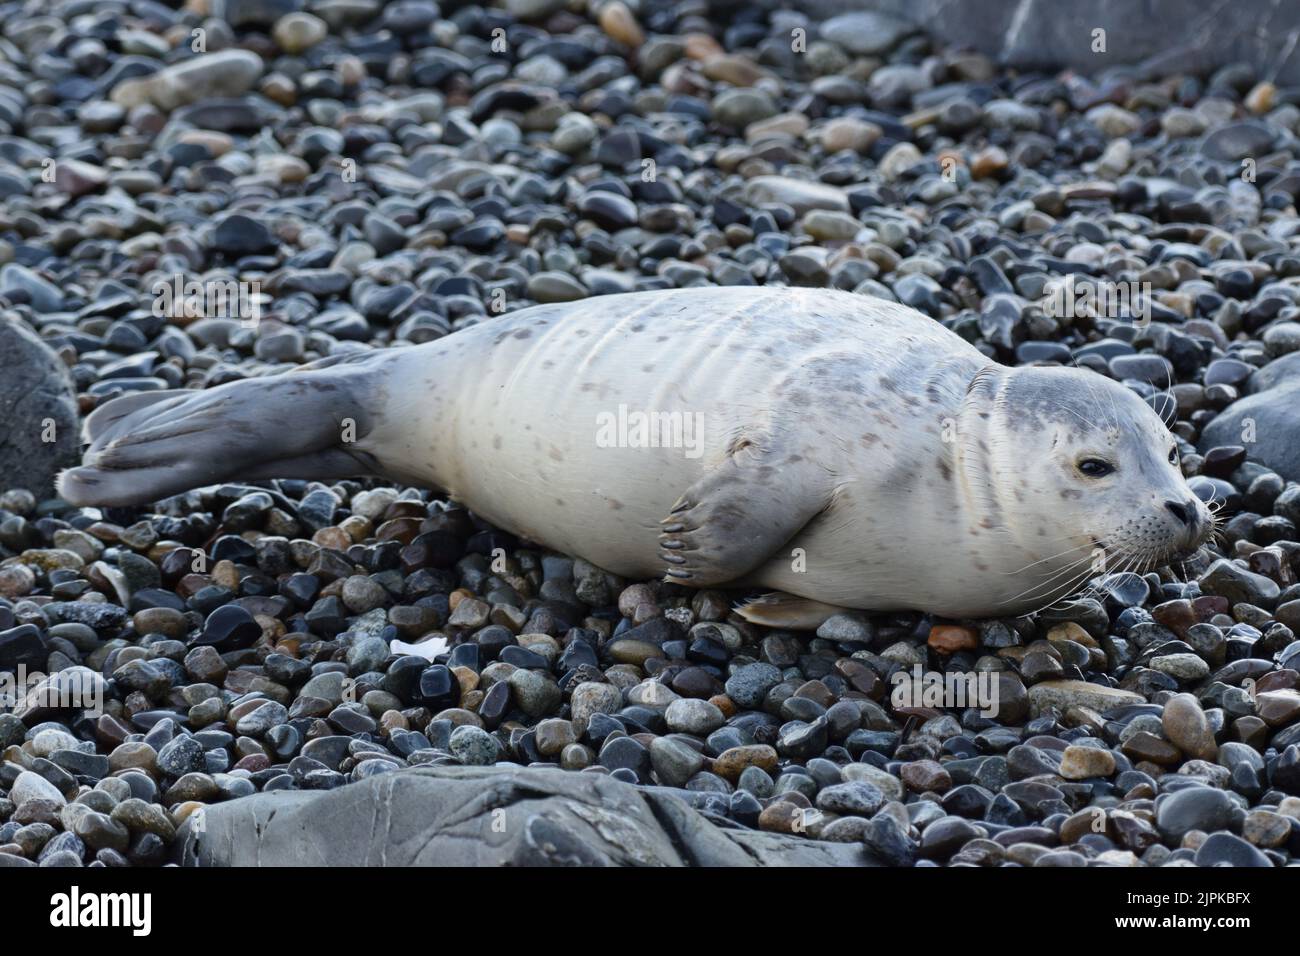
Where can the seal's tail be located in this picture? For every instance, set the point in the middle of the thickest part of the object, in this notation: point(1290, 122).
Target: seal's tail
point(147, 446)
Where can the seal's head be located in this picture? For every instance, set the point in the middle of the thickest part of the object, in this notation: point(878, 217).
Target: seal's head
point(1079, 471)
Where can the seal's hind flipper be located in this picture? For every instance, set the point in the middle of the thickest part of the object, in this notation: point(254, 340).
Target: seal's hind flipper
point(744, 509)
point(786, 611)
point(281, 426)
point(101, 419)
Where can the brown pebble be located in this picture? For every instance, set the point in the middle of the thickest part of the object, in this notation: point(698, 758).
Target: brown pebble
point(1148, 748)
point(730, 763)
point(921, 776)
point(988, 162)
point(951, 638)
point(619, 24)
point(784, 817)
point(1187, 728)
point(724, 704)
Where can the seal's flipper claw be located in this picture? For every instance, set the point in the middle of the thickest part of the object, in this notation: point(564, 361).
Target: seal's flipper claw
point(734, 518)
point(778, 609)
point(282, 426)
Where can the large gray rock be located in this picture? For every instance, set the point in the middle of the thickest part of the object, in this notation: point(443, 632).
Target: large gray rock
point(1165, 35)
point(485, 816)
point(1275, 373)
point(1266, 424)
point(37, 402)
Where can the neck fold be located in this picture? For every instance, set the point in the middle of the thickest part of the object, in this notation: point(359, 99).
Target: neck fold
point(973, 452)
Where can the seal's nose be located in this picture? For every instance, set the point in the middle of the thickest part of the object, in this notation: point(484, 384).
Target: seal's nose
point(1181, 511)
point(1193, 519)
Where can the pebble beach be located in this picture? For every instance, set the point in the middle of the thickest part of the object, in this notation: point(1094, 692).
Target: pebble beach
point(386, 174)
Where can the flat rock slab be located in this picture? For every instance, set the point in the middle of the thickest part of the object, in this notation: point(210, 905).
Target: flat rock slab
point(485, 816)
point(1186, 35)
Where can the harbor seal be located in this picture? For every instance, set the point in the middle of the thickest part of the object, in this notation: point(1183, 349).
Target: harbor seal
point(840, 450)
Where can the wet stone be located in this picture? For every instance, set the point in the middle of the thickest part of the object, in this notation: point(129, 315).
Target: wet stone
point(750, 684)
point(474, 746)
point(856, 797)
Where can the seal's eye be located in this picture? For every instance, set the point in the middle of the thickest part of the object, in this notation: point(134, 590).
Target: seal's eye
point(1095, 467)
point(1173, 456)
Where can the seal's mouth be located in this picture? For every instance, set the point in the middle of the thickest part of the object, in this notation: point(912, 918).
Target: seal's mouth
point(1196, 537)
point(1186, 548)
point(1193, 542)
point(1150, 547)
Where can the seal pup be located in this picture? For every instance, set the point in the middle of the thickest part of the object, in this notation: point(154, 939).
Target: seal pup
point(843, 451)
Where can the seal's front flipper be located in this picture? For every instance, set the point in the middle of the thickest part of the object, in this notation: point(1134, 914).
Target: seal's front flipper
point(778, 609)
point(733, 519)
point(282, 426)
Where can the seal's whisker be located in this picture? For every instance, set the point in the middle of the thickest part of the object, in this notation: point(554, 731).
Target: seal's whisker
point(1181, 574)
point(1067, 573)
point(1078, 578)
point(1138, 559)
point(1050, 557)
point(1111, 423)
point(1092, 393)
point(1169, 390)
point(1082, 420)
point(1033, 592)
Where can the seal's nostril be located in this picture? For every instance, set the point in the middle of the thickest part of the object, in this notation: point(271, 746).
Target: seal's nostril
point(1178, 511)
